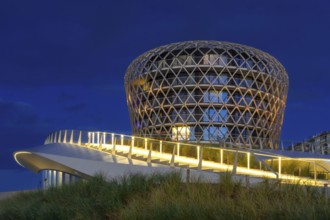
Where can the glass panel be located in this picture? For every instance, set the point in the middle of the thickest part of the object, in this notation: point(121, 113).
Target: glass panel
point(223, 80)
point(181, 133)
point(224, 115)
point(223, 60)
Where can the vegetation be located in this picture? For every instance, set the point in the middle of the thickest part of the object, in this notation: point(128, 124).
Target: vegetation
point(166, 197)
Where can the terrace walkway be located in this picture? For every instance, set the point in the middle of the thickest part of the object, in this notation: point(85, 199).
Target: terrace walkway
point(256, 164)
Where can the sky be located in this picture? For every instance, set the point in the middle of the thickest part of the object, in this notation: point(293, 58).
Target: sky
point(62, 63)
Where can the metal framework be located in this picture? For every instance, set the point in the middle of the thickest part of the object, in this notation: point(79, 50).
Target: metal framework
point(207, 92)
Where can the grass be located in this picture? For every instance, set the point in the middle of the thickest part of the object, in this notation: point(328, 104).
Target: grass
point(165, 197)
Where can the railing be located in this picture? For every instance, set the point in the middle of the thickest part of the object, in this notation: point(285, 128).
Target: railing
point(199, 156)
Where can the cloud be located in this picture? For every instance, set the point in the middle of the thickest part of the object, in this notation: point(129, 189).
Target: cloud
point(17, 114)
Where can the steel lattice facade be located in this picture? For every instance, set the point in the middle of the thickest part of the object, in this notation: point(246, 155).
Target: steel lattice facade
point(207, 92)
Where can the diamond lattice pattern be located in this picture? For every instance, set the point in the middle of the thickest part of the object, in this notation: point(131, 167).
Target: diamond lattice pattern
point(207, 91)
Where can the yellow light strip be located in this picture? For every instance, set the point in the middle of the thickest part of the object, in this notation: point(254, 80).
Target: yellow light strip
point(287, 178)
point(20, 152)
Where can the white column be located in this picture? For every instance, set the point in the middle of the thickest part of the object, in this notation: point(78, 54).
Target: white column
point(100, 137)
point(64, 138)
point(197, 149)
point(131, 149)
point(221, 156)
point(200, 159)
point(59, 137)
point(315, 175)
point(79, 138)
point(279, 167)
point(71, 137)
point(173, 156)
point(149, 154)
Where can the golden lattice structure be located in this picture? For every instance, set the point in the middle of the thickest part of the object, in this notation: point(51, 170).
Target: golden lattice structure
point(207, 92)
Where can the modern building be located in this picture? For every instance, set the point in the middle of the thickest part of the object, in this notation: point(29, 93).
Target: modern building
point(197, 107)
point(319, 143)
point(207, 92)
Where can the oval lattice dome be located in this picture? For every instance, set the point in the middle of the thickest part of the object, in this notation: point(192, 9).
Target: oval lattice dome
point(207, 92)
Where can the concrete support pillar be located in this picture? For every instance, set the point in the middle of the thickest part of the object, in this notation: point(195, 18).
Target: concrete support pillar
point(79, 138)
point(315, 174)
point(71, 137)
point(161, 147)
point(59, 137)
point(279, 167)
point(89, 139)
point(131, 149)
point(248, 160)
point(149, 154)
point(64, 138)
point(235, 163)
point(178, 149)
point(200, 158)
point(100, 136)
point(197, 152)
point(173, 156)
point(113, 145)
point(221, 156)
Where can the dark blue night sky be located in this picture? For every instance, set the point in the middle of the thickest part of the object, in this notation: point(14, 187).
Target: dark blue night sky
point(62, 63)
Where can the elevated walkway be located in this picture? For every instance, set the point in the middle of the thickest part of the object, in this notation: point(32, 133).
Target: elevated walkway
point(204, 159)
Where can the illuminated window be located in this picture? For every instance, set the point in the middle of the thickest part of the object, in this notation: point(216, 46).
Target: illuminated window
point(182, 133)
